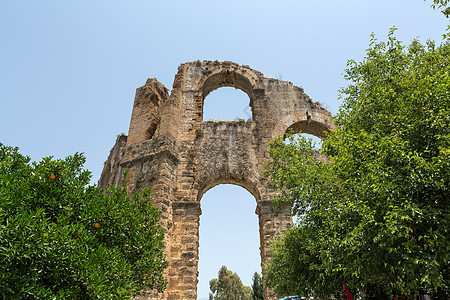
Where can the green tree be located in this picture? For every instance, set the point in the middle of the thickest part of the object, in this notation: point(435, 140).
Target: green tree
point(63, 239)
point(442, 4)
point(228, 286)
point(257, 287)
point(375, 214)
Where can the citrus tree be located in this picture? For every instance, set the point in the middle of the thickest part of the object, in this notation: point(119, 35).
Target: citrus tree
point(63, 239)
point(375, 214)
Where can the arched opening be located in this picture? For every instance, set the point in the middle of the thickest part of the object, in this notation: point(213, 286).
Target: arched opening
point(313, 134)
point(227, 104)
point(229, 235)
point(310, 130)
point(315, 141)
point(234, 96)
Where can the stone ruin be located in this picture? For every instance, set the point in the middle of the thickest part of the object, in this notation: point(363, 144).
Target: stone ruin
point(173, 151)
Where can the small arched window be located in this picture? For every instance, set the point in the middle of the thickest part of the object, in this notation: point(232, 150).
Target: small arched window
point(227, 104)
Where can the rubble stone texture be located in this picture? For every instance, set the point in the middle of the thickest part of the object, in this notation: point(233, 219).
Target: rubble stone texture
point(173, 151)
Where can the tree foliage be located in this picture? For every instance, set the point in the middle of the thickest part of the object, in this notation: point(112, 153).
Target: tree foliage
point(62, 239)
point(228, 286)
point(443, 5)
point(375, 214)
point(257, 287)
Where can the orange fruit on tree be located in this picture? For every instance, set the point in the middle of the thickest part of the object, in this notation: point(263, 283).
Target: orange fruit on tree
point(52, 176)
point(97, 225)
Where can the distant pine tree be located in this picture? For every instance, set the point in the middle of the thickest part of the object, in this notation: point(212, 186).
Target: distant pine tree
point(257, 287)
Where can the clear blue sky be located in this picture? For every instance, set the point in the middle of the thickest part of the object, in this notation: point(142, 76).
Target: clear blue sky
point(69, 70)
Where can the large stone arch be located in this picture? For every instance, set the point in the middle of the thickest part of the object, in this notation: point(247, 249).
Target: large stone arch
point(171, 149)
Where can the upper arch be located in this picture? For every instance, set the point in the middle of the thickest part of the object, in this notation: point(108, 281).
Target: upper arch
point(214, 75)
point(225, 78)
point(228, 178)
point(315, 121)
point(312, 127)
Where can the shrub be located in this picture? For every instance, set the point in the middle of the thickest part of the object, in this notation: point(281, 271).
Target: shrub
point(63, 239)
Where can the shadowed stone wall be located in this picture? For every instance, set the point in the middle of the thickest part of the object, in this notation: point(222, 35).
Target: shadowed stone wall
point(171, 150)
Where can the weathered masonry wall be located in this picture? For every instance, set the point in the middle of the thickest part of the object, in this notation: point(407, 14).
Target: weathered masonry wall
point(170, 149)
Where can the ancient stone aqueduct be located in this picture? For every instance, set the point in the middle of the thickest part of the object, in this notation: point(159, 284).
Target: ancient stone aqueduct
point(173, 151)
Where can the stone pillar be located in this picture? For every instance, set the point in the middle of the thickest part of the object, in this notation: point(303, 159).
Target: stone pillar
point(146, 117)
point(271, 226)
point(183, 252)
